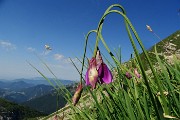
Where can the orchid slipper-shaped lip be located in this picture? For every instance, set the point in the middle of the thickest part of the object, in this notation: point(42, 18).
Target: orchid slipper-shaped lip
point(77, 94)
point(97, 72)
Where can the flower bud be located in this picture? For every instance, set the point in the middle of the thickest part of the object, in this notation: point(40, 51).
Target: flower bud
point(77, 94)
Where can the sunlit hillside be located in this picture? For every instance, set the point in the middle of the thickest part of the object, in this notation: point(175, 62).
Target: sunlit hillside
point(167, 50)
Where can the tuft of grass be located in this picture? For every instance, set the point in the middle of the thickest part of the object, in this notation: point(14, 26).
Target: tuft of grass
point(137, 98)
point(155, 95)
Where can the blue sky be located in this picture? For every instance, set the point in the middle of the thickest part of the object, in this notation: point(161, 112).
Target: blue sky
point(27, 25)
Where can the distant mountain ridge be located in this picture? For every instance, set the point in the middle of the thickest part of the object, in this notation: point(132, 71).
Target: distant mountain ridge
point(26, 94)
point(13, 111)
point(21, 90)
point(41, 80)
point(25, 83)
point(36, 93)
point(48, 103)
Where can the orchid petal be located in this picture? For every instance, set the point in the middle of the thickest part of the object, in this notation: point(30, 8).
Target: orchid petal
point(92, 73)
point(97, 69)
point(99, 60)
point(93, 77)
point(107, 75)
point(100, 71)
point(87, 78)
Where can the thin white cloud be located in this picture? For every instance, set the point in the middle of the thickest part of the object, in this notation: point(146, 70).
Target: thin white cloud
point(75, 60)
point(65, 60)
point(30, 49)
point(58, 56)
point(7, 45)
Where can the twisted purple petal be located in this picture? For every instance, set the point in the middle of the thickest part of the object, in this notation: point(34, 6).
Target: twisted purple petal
point(87, 78)
point(92, 73)
point(105, 74)
point(99, 60)
point(93, 77)
point(97, 69)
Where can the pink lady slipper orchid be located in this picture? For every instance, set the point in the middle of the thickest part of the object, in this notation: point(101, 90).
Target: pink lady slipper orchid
point(97, 72)
point(136, 73)
point(77, 94)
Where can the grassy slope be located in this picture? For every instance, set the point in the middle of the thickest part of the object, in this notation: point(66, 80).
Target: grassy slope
point(172, 38)
point(162, 47)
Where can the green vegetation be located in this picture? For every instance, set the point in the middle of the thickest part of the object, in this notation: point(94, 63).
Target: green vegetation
point(152, 96)
point(48, 103)
point(166, 47)
point(17, 112)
